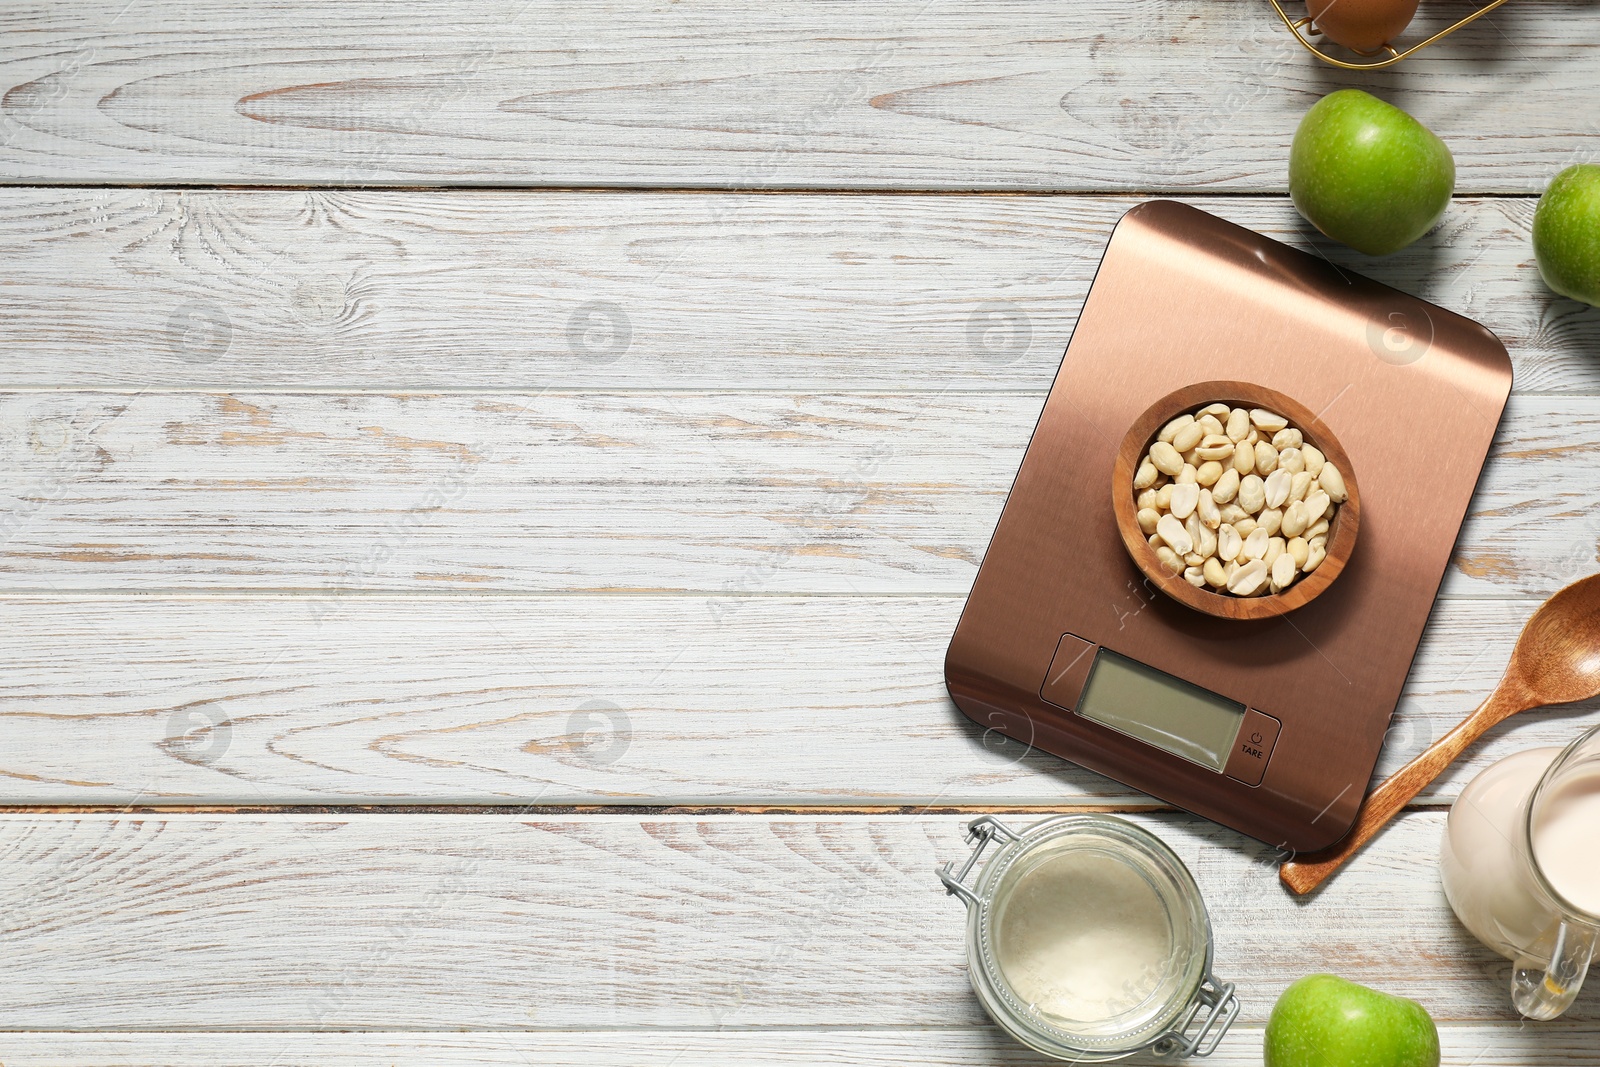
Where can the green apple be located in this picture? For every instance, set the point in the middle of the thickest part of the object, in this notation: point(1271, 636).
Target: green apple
point(1367, 174)
point(1566, 233)
point(1325, 1021)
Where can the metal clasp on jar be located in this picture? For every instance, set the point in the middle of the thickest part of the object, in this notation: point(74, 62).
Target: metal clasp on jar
point(1222, 1009)
point(980, 832)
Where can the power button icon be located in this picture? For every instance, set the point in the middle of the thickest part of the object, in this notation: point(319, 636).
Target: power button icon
point(1257, 737)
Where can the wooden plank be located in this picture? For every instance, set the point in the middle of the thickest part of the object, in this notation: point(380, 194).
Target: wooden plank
point(666, 492)
point(900, 94)
point(812, 701)
point(1478, 1045)
point(465, 290)
point(448, 922)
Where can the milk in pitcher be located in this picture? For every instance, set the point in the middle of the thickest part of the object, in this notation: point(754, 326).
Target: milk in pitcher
point(1521, 867)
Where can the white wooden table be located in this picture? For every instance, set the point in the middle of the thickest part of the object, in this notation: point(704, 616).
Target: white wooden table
point(487, 488)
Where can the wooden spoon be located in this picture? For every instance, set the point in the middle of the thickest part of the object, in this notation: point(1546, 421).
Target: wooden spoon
point(1556, 661)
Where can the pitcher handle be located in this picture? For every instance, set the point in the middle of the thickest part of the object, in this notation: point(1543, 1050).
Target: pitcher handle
point(1542, 992)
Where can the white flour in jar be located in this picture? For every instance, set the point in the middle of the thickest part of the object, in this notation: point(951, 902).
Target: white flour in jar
point(1083, 937)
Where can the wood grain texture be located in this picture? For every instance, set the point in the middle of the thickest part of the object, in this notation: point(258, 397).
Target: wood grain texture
point(464, 290)
point(724, 493)
point(1479, 1045)
point(420, 430)
point(577, 700)
point(600, 922)
point(1002, 94)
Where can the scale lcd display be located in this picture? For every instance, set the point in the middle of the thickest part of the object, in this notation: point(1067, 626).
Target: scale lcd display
point(1161, 710)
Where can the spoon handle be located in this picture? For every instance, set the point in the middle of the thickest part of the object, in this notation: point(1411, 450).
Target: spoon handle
point(1305, 873)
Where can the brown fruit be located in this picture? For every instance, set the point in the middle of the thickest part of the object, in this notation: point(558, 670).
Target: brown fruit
point(1364, 25)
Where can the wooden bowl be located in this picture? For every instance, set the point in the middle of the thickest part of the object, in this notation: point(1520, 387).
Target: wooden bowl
point(1142, 434)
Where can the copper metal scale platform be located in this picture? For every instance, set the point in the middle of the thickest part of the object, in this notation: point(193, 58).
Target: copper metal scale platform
point(1280, 720)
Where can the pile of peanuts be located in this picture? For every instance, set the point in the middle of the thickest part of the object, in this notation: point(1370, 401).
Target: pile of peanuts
point(1236, 500)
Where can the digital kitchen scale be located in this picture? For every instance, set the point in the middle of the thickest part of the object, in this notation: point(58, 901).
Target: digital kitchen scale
point(1269, 726)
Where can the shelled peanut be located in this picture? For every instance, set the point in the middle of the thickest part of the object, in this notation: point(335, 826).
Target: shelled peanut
point(1236, 500)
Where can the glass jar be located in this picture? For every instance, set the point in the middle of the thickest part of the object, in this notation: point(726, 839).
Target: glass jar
point(1136, 943)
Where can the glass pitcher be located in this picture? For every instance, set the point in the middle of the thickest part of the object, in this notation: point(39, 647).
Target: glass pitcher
point(1521, 867)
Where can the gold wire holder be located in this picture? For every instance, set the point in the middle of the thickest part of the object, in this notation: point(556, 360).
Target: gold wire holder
point(1303, 30)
